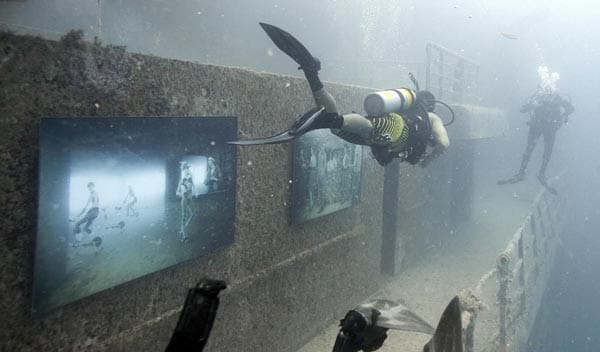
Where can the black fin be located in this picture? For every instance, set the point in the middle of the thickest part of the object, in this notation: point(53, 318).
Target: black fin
point(279, 138)
point(448, 334)
point(395, 315)
point(291, 46)
point(300, 127)
point(514, 179)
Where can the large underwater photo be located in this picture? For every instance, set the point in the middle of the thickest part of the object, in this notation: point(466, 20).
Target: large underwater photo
point(121, 198)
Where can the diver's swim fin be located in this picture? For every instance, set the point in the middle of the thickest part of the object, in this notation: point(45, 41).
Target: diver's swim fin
point(448, 334)
point(546, 185)
point(514, 179)
point(300, 127)
point(365, 327)
point(292, 47)
point(279, 138)
point(394, 315)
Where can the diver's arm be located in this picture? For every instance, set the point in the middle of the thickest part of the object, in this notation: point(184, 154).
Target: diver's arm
point(568, 109)
point(527, 107)
point(532, 103)
point(441, 142)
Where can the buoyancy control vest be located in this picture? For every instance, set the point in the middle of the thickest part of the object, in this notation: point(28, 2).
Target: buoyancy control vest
point(401, 135)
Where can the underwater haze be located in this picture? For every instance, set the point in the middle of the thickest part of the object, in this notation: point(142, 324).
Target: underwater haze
point(516, 47)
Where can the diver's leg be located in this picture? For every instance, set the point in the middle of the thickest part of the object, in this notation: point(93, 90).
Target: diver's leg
point(311, 72)
point(91, 215)
point(324, 99)
point(87, 225)
point(549, 138)
point(76, 232)
point(534, 134)
point(329, 119)
point(86, 222)
point(355, 129)
point(181, 227)
point(190, 214)
point(77, 227)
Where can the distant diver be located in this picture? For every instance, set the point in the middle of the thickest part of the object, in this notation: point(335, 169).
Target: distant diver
point(548, 112)
point(91, 210)
point(400, 123)
point(185, 190)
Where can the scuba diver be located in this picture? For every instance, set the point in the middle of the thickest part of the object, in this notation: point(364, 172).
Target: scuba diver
point(548, 112)
point(400, 123)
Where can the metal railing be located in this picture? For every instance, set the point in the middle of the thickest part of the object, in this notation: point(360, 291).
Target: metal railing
point(450, 76)
point(501, 308)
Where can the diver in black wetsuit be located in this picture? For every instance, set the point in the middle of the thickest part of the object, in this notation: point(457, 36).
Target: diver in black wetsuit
point(404, 133)
point(548, 112)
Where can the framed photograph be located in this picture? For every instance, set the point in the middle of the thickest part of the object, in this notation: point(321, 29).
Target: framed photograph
point(326, 175)
point(123, 197)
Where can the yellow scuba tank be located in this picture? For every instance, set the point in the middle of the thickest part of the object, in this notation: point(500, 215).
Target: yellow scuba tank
point(390, 100)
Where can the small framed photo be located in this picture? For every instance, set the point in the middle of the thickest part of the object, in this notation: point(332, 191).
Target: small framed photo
point(326, 175)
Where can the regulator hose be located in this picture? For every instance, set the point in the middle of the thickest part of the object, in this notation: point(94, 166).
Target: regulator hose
point(449, 109)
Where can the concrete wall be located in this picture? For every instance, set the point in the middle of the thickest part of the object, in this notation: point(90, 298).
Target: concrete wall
point(286, 282)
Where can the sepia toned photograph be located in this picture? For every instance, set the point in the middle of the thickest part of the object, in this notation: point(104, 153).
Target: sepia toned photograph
point(327, 174)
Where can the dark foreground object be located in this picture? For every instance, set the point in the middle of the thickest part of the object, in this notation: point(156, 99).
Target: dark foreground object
point(365, 328)
point(197, 317)
point(362, 329)
point(448, 334)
